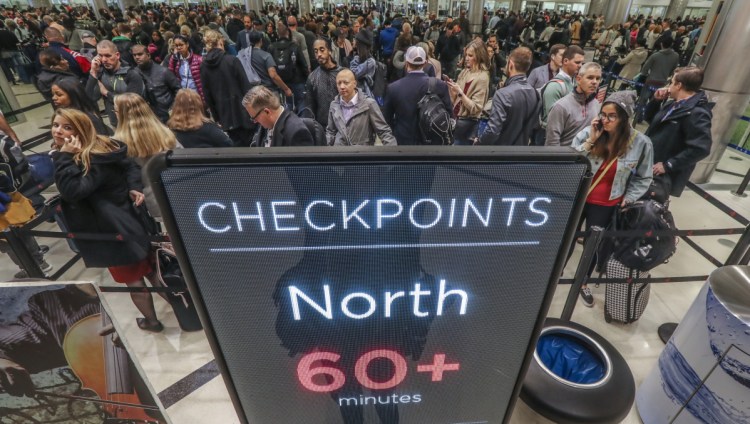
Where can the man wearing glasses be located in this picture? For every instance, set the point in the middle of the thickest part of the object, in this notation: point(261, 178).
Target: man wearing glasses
point(283, 127)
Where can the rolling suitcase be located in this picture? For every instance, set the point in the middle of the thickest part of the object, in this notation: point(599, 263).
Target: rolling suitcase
point(169, 274)
point(625, 302)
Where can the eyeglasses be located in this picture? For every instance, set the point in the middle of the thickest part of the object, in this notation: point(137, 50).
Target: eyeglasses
point(255, 117)
point(611, 118)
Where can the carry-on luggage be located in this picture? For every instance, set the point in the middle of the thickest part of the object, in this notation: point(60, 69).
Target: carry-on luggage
point(625, 302)
point(169, 274)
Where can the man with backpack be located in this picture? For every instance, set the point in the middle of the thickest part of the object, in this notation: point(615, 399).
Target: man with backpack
point(559, 87)
point(402, 95)
point(514, 106)
point(290, 65)
point(263, 64)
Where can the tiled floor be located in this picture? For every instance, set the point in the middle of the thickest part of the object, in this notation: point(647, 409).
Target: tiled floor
point(174, 356)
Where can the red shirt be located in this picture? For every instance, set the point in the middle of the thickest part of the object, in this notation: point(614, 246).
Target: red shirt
point(600, 194)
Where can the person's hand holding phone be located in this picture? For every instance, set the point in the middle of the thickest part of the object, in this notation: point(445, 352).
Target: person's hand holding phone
point(96, 64)
point(662, 93)
point(597, 127)
point(72, 145)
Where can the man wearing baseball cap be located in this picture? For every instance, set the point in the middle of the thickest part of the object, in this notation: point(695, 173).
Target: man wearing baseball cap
point(402, 96)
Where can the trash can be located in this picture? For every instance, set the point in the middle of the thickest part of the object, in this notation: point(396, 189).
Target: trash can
point(703, 374)
point(576, 376)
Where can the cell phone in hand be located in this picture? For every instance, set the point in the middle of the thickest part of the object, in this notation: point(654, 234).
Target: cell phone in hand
point(599, 126)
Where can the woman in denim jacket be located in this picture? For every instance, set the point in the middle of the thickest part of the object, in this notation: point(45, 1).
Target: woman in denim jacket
point(621, 160)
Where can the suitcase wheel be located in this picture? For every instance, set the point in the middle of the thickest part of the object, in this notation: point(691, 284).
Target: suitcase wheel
point(607, 317)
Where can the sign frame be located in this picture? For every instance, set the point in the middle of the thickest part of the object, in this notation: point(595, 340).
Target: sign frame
point(347, 155)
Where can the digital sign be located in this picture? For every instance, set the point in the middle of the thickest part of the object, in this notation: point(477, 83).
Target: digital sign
point(398, 285)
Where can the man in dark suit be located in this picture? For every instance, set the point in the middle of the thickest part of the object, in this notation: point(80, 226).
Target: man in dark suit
point(284, 127)
point(402, 96)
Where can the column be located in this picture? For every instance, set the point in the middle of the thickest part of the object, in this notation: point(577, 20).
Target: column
point(730, 35)
point(515, 5)
point(40, 3)
point(617, 11)
point(304, 7)
point(475, 16)
point(125, 4)
point(676, 8)
point(596, 7)
point(432, 7)
point(97, 5)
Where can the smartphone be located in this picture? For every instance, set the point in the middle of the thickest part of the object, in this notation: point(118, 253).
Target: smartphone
point(445, 78)
point(599, 126)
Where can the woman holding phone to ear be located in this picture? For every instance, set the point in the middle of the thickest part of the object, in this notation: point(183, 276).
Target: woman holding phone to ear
point(621, 160)
point(99, 186)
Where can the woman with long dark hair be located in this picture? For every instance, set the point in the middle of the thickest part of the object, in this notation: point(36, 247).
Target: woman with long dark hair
point(621, 160)
point(186, 64)
point(71, 94)
point(99, 186)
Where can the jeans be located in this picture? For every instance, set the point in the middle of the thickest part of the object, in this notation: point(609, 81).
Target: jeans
point(9, 62)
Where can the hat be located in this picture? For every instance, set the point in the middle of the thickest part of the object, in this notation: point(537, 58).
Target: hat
point(87, 34)
point(416, 56)
point(625, 99)
point(364, 36)
point(254, 36)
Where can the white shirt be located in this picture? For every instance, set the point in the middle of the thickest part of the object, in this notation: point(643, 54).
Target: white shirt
point(347, 108)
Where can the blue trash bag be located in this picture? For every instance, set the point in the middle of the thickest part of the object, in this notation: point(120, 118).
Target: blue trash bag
point(569, 358)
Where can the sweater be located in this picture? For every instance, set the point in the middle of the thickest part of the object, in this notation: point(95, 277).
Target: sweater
point(568, 117)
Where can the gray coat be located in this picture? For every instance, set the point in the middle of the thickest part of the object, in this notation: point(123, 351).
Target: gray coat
point(366, 121)
point(515, 112)
point(660, 65)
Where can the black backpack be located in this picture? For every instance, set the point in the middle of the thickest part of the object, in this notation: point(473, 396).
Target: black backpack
point(434, 120)
point(13, 165)
point(643, 253)
point(317, 131)
point(285, 57)
point(379, 83)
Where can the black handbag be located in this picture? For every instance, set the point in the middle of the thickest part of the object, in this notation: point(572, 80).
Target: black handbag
point(169, 274)
point(660, 188)
point(144, 217)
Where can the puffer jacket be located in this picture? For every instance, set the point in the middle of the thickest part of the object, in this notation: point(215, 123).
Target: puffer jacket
point(195, 70)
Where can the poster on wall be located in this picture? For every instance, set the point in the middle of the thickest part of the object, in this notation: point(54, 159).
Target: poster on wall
point(371, 285)
point(61, 361)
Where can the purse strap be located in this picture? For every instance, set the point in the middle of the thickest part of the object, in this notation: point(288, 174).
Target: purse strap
point(609, 165)
point(601, 176)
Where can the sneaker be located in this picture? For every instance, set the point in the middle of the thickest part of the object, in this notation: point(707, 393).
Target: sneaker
point(587, 297)
point(46, 268)
point(43, 249)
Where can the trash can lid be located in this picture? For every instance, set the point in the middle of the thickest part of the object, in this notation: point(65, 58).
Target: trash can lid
point(731, 286)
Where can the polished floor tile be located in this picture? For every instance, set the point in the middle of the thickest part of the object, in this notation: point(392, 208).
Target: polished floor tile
point(180, 366)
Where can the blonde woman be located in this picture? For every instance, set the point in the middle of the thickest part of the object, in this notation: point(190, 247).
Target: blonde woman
point(469, 92)
point(190, 125)
point(98, 185)
point(143, 133)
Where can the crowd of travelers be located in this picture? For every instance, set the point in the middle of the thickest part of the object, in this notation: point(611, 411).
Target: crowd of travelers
point(172, 77)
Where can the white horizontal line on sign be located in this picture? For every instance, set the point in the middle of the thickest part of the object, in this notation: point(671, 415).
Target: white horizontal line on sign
point(372, 246)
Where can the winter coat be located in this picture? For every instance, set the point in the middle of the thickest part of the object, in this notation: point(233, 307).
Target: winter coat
point(320, 90)
point(225, 84)
point(476, 95)
point(161, 88)
point(49, 77)
point(124, 80)
point(99, 202)
point(681, 138)
point(365, 122)
point(633, 62)
point(195, 70)
point(515, 109)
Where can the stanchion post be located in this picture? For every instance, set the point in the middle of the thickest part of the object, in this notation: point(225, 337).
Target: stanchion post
point(28, 263)
point(741, 249)
point(589, 251)
point(740, 192)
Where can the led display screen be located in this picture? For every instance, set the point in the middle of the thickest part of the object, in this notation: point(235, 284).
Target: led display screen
point(379, 291)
